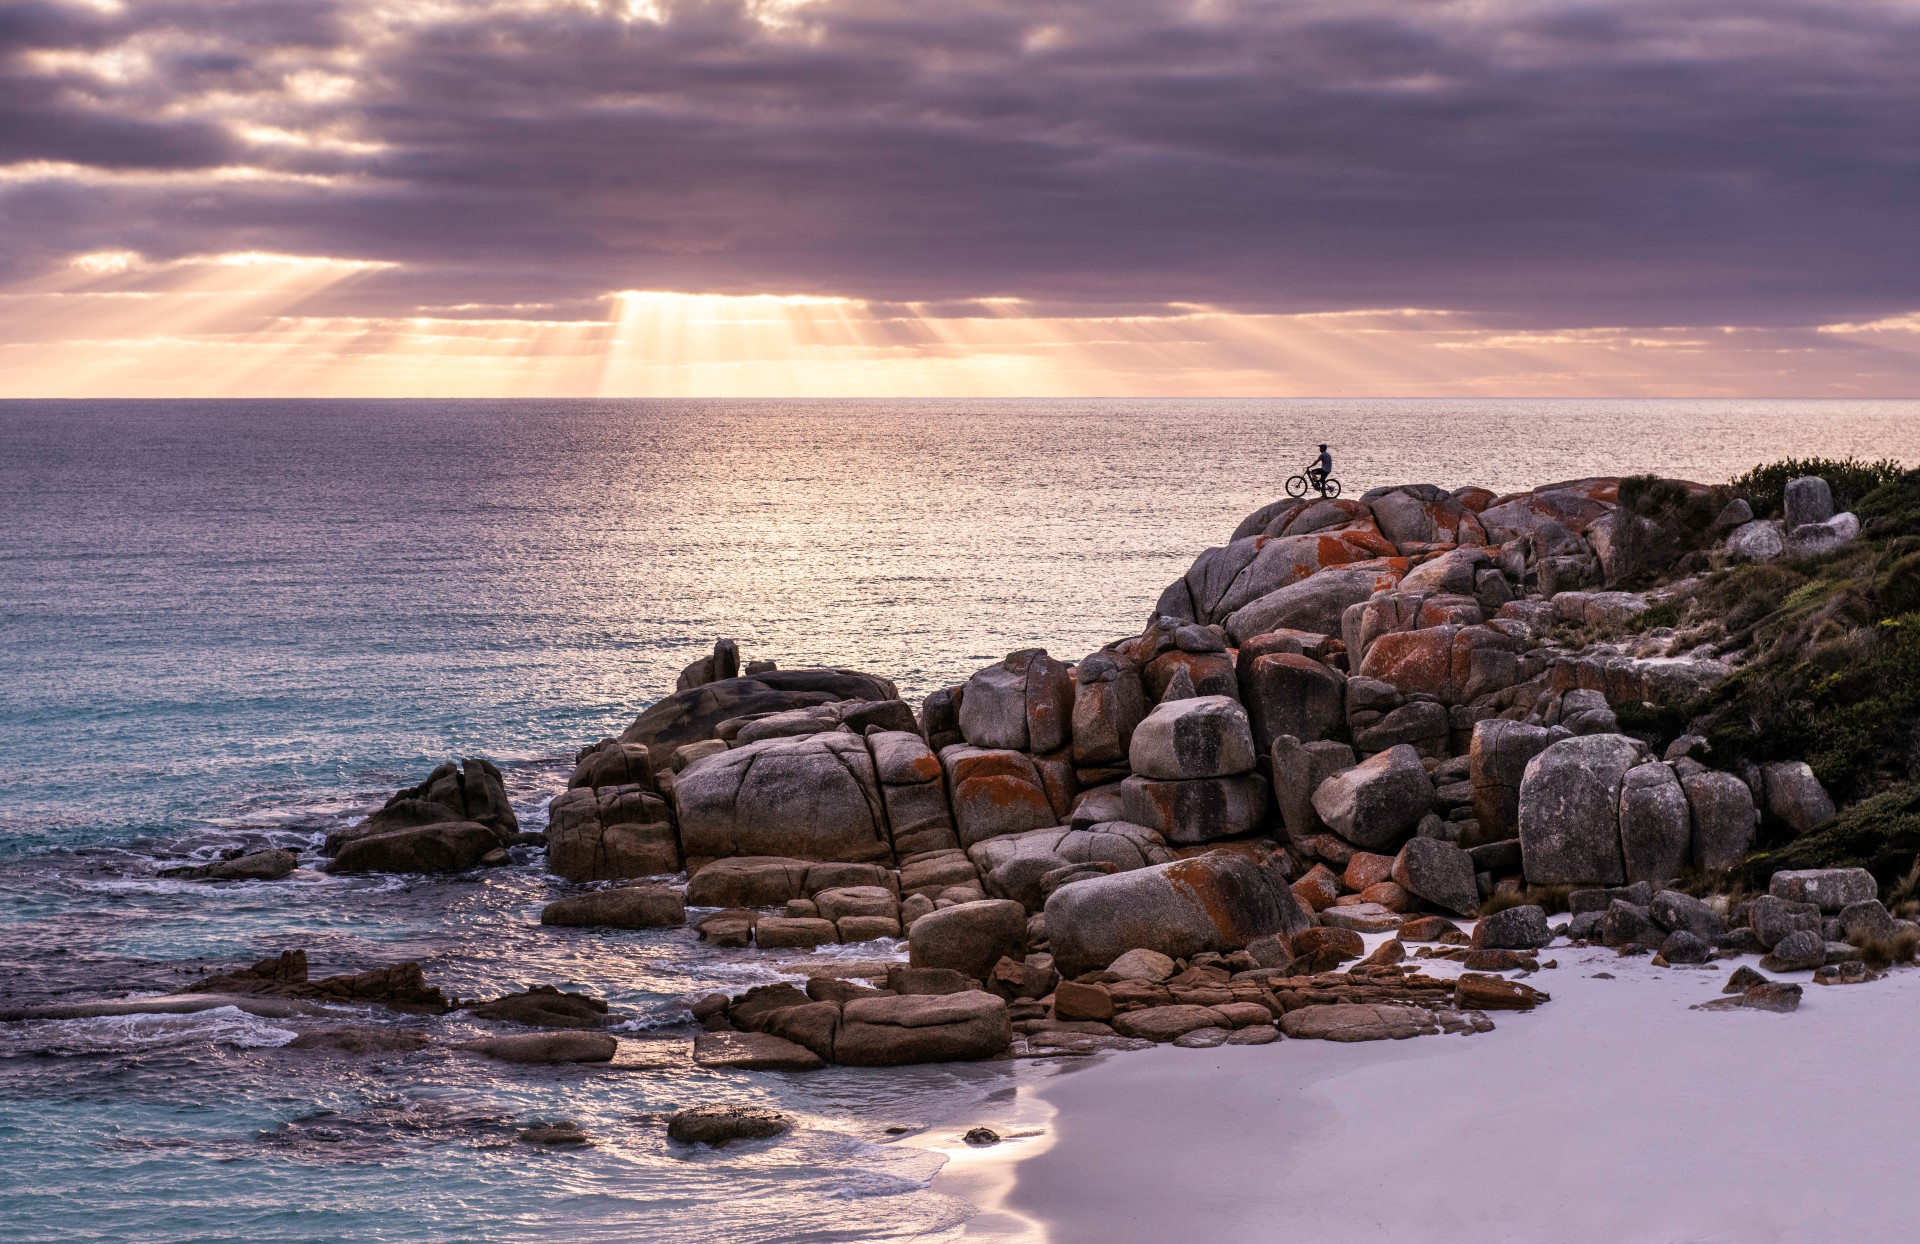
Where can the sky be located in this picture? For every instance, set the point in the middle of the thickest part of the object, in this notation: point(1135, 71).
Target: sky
point(959, 197)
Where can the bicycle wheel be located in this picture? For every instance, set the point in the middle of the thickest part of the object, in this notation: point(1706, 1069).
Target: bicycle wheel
point(1331, 489)
point(1296, 485)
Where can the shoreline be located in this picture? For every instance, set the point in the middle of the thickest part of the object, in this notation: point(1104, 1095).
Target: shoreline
point(1613, 1115)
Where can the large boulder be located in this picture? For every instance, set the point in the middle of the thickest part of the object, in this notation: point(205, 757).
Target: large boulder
point(694, 714)
point(995, 791)
point(613, 763)
point(1298, 770)
point(1451, 663)
point(1572, 508)
point(608, 833)
point(1197, 810)
point(1017, 866)
point(922, 1028)
point(969, 937)
point(1499, 755)
point(1795, 796)
point(1723, 819)
point(1829, 889)
point(472, 791)
point(1438, 872)
point(1220, 901)
point(1421, 514)
point(1290, 693)
point(1025, 703)
point(1315, 604)
point(1109, 701)
point(1757, 541)
point(1203, 737)
point(1807, 499)
point(1570, 810)
point(446, 847)
point(1655, 824)
point(1222, 580)
point(748, 881)
point(814, 797)
point(1376, 804)
point(914, 788)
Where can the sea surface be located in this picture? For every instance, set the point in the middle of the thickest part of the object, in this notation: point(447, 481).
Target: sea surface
point(228, 624)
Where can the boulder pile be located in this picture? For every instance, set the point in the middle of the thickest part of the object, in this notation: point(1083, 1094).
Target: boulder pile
point(1357, 716)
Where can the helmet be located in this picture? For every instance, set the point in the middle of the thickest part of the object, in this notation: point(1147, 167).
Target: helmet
point(1323, 445)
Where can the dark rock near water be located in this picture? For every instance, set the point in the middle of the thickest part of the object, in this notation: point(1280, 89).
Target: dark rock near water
point(753, 1051)
point(536, 1048)
point(269, 865)
point(472, 792)
point(969, 938)
point(891, 1032)
point(623, 907)
point(400, 986)
point(544, 1006)
point(445, 847)
point(717, 1125)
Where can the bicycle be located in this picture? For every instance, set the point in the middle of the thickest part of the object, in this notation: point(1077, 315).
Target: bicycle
point(1297, 485)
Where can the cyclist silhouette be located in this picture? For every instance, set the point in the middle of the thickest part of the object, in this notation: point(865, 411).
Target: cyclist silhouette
point(1318, 474)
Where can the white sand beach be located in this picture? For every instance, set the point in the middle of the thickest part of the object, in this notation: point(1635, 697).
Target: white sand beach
point(1612, 1115)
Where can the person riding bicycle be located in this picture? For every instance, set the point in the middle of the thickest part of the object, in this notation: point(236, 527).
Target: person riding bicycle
point(1318, 473)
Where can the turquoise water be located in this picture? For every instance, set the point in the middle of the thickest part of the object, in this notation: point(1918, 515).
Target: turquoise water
point(227, 624)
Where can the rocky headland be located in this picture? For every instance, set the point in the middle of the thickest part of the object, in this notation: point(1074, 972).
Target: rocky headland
point(1362, 736)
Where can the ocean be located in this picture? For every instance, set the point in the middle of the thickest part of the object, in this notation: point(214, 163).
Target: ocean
point(245, 623)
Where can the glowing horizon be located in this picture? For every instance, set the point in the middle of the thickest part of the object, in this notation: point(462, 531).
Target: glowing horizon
point(243, 324)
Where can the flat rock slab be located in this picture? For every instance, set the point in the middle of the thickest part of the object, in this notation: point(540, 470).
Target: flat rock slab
point(1359, 1021)
point(547, 1047)
point(753, 1051)
point(1361, 918)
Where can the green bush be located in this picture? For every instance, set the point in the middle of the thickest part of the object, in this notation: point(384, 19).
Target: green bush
point(1851, 479)
point(1891, 511)
point(1881, 835)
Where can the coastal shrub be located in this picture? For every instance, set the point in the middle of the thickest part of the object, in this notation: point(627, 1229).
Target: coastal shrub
point(1671, 502)
point(1891, 510)
point(1880, 834)
point(1667, 614)
point(1747, 593)
point(1851, 479)
point(1897, 590)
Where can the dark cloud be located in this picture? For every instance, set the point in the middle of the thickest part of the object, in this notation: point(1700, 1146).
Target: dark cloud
point(1749, 161)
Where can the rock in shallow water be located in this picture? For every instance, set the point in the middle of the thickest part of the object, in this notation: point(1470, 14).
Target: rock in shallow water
point(624, 907)
point(717, 1125)
point(547, 1047)
point(753, 1051)
point(268, 865)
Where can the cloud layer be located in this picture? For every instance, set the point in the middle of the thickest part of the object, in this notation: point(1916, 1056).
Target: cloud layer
point(1527, 163)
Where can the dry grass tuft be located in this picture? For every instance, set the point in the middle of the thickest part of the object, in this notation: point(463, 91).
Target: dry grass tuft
point(1549, 898)
point(1884, 952)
